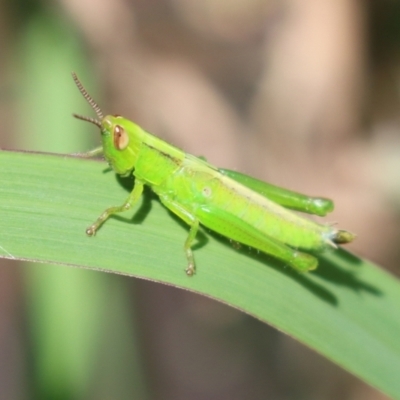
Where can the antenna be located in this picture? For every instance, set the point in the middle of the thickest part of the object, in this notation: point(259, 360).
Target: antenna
point(92, 103)
point(88, 119)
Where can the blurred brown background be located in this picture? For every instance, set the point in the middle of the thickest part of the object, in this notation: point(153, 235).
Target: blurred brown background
point(304, 94)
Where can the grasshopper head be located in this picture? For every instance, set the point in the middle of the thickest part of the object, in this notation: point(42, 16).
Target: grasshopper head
point(121, 141)
point(120, 137)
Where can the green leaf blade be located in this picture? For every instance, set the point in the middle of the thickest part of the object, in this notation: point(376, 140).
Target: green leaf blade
point(347, 310)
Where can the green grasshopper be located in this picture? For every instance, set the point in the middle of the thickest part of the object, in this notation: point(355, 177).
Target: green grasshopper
point(242, 208)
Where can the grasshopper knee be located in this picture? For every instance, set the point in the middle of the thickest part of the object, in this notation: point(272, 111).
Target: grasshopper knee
point(303, 262)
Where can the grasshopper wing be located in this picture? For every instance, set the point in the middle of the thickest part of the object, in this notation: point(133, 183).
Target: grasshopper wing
point(286, 198)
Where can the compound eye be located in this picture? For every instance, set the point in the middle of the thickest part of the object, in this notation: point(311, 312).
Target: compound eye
point(121, 138)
